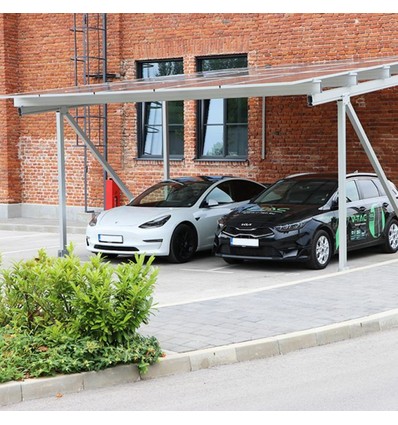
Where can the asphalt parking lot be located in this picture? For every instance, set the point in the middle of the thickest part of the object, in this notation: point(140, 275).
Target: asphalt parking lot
point(209, 313)
point(204, 278)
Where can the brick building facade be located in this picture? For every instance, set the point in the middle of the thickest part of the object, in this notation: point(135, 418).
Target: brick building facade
point(36, 52)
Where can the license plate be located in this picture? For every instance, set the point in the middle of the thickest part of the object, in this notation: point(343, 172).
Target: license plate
point(110, 238)
point(244, 242)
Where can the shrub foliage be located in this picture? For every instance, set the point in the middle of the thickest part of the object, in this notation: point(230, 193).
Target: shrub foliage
point(59, 315)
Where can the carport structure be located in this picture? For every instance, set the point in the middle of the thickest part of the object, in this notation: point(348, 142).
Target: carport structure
point(323, 82)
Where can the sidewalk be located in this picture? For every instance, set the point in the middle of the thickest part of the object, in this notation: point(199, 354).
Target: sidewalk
point(40, 225)
point(265, 322)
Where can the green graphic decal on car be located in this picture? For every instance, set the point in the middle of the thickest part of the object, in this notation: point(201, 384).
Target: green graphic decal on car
point(357, 226)
point(377, 221)
point(360, 224)
point(274, 210)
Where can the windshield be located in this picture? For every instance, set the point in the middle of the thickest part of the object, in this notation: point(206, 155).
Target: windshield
point(171, 194)
point(305, 192)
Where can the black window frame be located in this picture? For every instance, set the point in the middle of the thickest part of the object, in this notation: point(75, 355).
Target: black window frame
point(141, 118)
point(201, 126)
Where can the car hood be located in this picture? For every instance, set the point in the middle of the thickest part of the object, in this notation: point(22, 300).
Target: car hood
point(271, 214)
point(130, 216)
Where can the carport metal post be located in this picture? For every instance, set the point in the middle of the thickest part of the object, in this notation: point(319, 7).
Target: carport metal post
point(342, 170)
point(166, 146)
point(61, 181)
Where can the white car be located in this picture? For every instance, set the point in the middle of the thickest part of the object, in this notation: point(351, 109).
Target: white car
point(174, 218)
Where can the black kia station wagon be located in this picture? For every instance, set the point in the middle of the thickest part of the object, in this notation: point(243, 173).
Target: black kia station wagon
point(296, 219)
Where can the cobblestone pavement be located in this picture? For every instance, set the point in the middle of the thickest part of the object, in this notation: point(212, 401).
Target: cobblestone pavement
point(269, 312)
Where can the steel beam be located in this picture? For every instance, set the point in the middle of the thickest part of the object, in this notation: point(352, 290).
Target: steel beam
point(331, 95)
point(371, 155)
point(166, 145)
point(39, 103)
point(61, 183)
point(112, 173)
point(342, 175)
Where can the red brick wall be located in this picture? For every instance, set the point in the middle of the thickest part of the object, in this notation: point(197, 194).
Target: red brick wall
point(298, 138)
point(10, 182)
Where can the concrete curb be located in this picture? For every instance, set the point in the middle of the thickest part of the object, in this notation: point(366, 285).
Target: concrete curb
point(16, 392)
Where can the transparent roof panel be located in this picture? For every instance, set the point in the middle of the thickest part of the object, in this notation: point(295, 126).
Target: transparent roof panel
point(243, 82)
point(259, 75)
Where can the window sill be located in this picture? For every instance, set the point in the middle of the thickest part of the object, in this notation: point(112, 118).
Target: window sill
point(158, 159)
point(240, 160)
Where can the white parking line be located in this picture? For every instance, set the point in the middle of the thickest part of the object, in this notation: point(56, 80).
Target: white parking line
point(36, 249)
point(281, 285)
point(28, 250)
point(35, 235)
point(216, 270)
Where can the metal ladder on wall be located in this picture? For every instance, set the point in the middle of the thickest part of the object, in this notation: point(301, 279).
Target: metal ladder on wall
point(90, 67)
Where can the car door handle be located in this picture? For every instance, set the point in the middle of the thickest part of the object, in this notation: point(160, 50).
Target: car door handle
point(385, 204)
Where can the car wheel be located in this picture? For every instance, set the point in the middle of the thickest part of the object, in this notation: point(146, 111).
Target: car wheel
point(183, 244)
point(391, 243)
point(321, 251)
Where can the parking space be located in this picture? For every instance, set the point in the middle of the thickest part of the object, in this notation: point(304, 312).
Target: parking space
point(208, 277)
point(205, 277)
point(22, 245)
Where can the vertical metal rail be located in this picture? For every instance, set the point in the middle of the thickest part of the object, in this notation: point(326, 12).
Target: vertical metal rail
point(61, 183)
point(105, 107)
point(166, 146)
point(342, 170)
point(263, 128)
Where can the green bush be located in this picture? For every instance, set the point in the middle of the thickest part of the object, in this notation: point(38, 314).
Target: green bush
point(59, 315)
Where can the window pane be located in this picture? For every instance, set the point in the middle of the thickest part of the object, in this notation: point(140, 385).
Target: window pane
point(243, 190)
point(153, 112)
point(176, 112)
point(237, 140)
point(236, 111)
point(220, 194)
point(213, 64)
point(223, 131)
point(368, 189)
point(351, 191)
point(176, 140)
point(214, 111)
point(161, 69)
point(213, 141)
point(151, 140)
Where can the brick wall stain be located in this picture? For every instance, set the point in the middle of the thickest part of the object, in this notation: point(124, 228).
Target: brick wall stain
point(36, 52)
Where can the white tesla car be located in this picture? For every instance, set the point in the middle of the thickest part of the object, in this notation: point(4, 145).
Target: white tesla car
point(174, 218)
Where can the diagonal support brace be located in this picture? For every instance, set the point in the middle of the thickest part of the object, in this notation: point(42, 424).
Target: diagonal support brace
point(371, 155)
point(98, 156)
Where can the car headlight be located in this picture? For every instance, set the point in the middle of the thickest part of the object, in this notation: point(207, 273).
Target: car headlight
point(158, 222)
point(291, 227)
point(93, 221)
point(220, 224)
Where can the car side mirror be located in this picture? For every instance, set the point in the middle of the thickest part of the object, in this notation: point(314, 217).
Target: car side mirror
point(211, 203)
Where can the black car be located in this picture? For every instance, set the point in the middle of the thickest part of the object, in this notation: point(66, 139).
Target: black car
point(297, 219)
